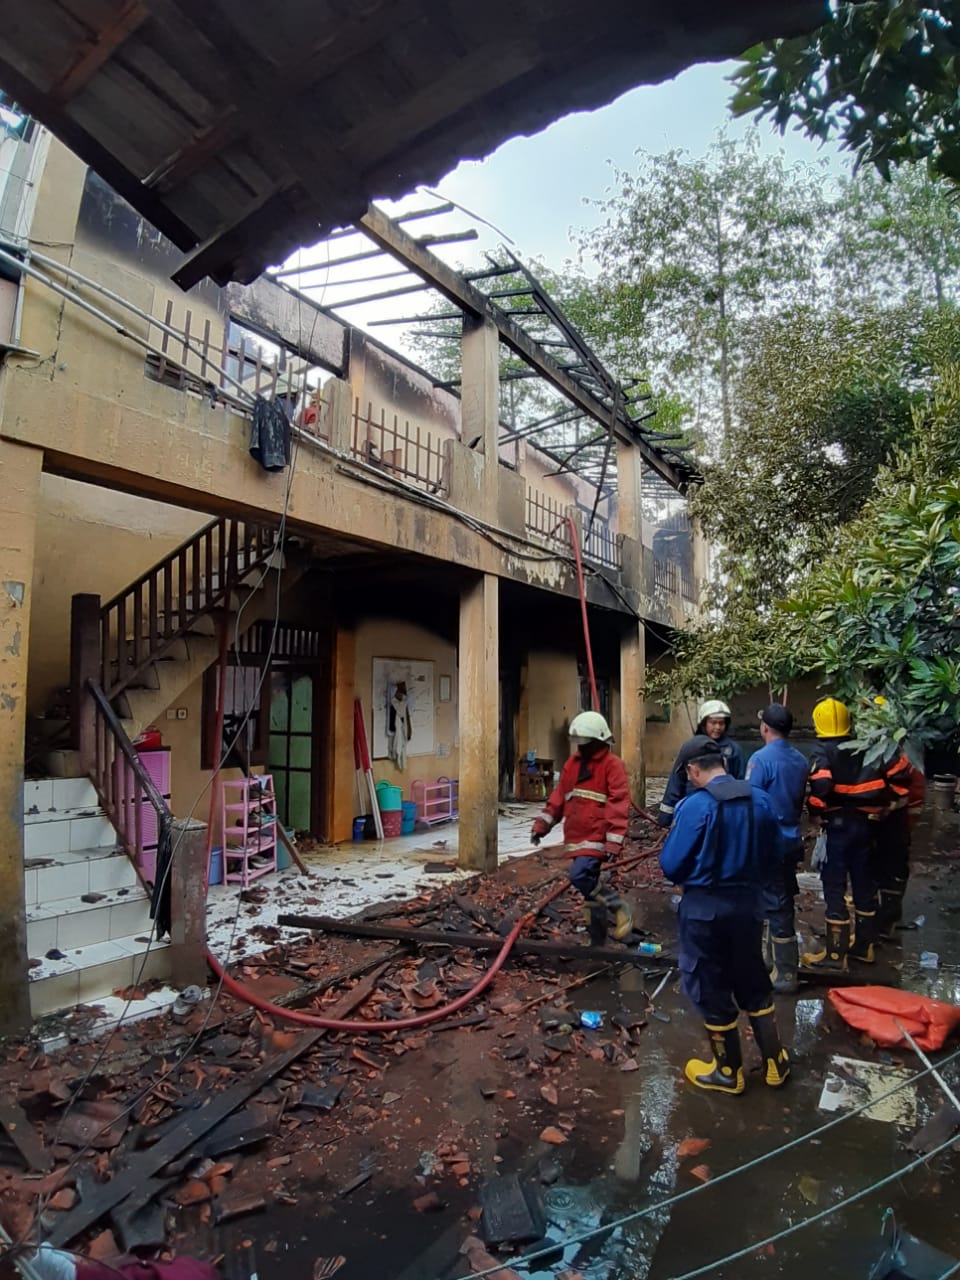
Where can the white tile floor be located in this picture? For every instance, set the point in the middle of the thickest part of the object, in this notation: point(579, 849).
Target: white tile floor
point(347, 877)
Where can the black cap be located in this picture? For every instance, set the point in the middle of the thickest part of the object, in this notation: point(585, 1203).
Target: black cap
point(698, 748)
point(778, 717)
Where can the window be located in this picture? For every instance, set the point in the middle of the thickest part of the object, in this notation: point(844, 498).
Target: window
point(242, 699)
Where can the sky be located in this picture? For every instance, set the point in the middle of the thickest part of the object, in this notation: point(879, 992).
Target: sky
point(535, 189)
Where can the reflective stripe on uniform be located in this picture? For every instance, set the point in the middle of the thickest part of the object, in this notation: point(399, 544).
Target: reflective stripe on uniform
point(666, 808)
point(584, 844)
point(547, 817)
point(582, 794)
point(614, 839)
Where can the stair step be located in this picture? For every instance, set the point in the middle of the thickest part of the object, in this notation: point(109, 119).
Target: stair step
point(85, 829)
point(92, 973)
point(67, 876)
point(69, 924)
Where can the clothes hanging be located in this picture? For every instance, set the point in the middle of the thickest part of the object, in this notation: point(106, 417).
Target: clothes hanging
point(399, 729)
point(269, 435)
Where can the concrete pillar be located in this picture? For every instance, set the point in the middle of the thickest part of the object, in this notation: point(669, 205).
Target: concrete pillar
point(341, 773)
point(480, 401)
point(84, 666)
point(479, 712)
point(633, 661)
point(339, 414)
point(20, 468)
point(629, 482)
point(188, 908)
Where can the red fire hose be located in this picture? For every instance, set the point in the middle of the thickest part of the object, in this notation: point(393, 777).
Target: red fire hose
point(399, 1024)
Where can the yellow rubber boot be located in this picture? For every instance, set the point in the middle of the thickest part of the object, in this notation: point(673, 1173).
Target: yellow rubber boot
point(776, 1060)
point(833, 956)
point(724, 1073)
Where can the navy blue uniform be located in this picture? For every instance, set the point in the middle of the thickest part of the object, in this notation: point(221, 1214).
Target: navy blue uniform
point(679, 786)
point(781, 772)
point(722, 844)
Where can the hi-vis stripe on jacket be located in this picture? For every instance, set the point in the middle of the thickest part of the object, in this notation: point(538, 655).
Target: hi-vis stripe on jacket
point(592, 799)
point(840, 781)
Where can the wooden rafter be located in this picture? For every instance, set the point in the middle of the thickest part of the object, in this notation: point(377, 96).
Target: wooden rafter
point(91, 56)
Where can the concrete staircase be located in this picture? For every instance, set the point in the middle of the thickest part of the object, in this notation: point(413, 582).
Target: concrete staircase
point(83, 900)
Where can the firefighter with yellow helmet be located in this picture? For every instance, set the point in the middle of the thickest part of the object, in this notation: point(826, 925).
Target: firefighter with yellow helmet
point(847, 796)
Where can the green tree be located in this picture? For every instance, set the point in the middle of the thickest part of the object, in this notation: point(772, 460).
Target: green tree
point(884, 610)
point(689, 253)
point(896, 238)
point(883, 77)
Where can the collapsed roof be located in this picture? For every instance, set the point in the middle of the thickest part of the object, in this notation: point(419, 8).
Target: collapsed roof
point(242, 130)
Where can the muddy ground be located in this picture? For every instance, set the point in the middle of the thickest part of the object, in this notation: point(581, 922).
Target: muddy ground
point(376, 1149)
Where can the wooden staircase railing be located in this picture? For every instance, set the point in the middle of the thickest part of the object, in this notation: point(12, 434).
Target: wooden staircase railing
point(125, 787)
point(146, 618)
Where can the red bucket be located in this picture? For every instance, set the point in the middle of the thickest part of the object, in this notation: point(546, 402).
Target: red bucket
point(392, 823)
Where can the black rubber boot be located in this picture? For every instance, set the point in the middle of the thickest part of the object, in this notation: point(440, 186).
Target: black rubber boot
point(833, 956)
point(890, 911)
point(724, 1072)
point(786, 962)
point(861, 948)
point(595, 914)
point(776, 1061)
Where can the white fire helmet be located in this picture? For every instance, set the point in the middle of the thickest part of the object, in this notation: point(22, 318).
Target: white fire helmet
point(590, 726)
point(712, 707)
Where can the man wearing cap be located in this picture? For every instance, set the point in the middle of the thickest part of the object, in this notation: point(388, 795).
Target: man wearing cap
point(720, 848)
point(781, 771)
point(713, 721)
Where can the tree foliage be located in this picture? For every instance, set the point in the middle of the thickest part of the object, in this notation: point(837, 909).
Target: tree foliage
point(884, 609)
point(881, 76)
point(689, 252)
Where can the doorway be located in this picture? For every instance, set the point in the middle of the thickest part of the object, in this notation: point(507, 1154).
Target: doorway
point(293, 754)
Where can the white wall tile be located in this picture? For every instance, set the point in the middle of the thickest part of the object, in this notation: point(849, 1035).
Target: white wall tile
point(55, 884)
point(130, 917)
point(43, 839)
point(39, 795)
point(112, 873)
point(47, 995)
point(30, 888)
point(41, 937)
point(91, 833)
point(74, 793)
point(103, 979)
point(80, 928)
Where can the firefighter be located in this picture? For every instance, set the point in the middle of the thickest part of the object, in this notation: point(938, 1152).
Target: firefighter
point(848, 797)
point(592, 800)
point(723, 837)
point(892, 838)
point(713, 721)
point(781, 771)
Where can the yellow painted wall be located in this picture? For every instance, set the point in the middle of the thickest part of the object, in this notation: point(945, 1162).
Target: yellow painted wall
point(89, 540)
point(388, 638)
point(549, 699)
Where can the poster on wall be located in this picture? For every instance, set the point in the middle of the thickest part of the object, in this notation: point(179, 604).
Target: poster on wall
point(402, 694)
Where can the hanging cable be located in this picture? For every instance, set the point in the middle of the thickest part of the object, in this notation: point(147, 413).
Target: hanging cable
point(582, 590)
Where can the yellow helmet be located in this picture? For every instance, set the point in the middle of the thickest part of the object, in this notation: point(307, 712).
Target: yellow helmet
point(831, 719)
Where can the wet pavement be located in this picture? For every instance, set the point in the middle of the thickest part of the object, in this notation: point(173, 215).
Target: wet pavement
point(462, 1106)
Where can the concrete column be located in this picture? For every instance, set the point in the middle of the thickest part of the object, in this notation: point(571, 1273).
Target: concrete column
point(188, 908)
point(20, 468)
point(479, 711)
point(339, 414)
point(629, 482)
point(341, 774)
point(633, 661)
point(84, 666)
point(480, 402)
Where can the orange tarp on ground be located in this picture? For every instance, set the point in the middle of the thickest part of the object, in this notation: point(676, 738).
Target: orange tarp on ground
point(876, 1011)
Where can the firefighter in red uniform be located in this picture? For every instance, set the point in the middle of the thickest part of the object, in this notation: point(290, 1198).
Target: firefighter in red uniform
point(592, 800)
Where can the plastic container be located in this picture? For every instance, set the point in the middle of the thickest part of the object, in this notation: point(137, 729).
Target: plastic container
point(283, 856)
point(149, 740)
point(216, 866)
point(649, 949)
point(358, 827)
point(392, 823)
point(408, 811)
point(389, 797)
point(944, 790)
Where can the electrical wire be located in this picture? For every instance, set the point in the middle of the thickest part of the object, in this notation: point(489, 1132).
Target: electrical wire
point(669, 1201)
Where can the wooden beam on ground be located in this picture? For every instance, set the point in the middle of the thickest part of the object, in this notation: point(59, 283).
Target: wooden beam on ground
point(384, 232)
point(475, 941)
point(25, 1138)
point(146, 1164)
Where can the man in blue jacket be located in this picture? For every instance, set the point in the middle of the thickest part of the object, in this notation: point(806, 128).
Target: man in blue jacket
point(713, 721)
point(781, 771)
point(721, 845)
